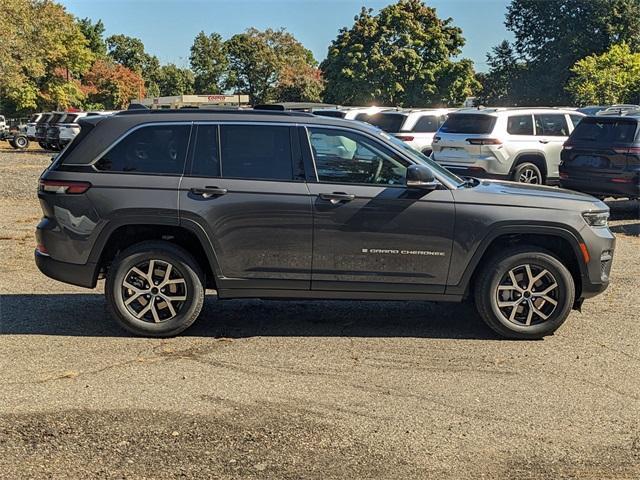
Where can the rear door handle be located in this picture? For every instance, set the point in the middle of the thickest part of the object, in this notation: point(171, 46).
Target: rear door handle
point(337, 197)
point(544, 141)
point(208, 192)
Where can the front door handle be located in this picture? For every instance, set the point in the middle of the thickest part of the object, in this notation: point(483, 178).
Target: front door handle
point(337, 197)
point(544, 141)
point(208, 192)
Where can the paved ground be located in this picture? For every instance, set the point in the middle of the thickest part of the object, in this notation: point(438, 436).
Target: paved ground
point(308, 389)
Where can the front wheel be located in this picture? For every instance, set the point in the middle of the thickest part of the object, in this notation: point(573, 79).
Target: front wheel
point(20, 142)
point(155, 289)
point(524, 293)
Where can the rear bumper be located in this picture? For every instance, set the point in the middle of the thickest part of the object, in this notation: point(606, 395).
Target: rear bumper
point(603, 186)
point(80, 275)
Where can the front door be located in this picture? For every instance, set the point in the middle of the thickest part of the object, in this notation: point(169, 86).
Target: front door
point(244, 186)
point(370, 232)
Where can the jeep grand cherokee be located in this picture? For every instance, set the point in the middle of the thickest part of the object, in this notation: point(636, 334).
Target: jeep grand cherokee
point(164, 204)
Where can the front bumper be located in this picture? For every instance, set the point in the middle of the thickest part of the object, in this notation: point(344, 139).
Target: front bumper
point(600, 244)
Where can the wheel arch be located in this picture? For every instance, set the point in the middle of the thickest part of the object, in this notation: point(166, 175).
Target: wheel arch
point(537, 158)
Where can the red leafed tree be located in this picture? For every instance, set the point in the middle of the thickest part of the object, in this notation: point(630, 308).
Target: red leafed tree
point(111, 85)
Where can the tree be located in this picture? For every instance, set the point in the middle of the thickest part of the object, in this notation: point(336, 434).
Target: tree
point(42, 54)
point(402, 56)
point(257, 59)
point(551, 36)
point(111, 85)
point(208, 62)
point(130, 53)
point(94, 32)
point(300, 83)
point(173, 80)
point(503, 84)
point(613, 77)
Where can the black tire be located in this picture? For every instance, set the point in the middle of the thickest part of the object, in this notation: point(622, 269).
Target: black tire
point(528, 173)
point(182, 263)
point(42, 144)
point(11, 142)
point(493, 275)
point(20, 142)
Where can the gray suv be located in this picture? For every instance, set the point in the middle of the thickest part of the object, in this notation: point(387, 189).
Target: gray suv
point(166, 204)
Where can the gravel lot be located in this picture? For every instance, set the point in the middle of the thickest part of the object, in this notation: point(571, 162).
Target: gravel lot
point(308, 389)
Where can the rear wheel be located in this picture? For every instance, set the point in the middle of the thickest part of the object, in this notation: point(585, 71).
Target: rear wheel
point(155, 289)
point(524, 293)
point(20, 142)
point(528, 173)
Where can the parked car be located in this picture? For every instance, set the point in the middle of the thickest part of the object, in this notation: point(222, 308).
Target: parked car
point(52, 136)
point(602, 157)
point(31, 125)
point(41, 129)
point(69, 128)
point(618, 110)
point(3, 124)
point(518, 144)
point(416, 127)
point(167, 203)
point(349, 113)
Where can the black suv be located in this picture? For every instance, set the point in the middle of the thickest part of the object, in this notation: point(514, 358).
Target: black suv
point(165, 204)
point(602, 157)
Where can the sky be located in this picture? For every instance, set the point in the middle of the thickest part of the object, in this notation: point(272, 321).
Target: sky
point(167, 27)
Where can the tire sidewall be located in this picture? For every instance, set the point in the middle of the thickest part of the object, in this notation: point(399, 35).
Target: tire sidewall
point(187, 314)
point(565, 297)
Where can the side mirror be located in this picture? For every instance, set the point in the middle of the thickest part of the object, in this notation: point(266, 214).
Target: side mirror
point(421, 177)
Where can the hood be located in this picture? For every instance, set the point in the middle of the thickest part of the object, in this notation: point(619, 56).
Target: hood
point(513, 194)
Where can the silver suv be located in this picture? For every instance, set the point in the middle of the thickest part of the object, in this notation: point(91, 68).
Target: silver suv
point(519, 144)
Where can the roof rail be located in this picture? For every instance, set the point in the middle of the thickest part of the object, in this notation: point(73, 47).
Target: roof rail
point(187, 111)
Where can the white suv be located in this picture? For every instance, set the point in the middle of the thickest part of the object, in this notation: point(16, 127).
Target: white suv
point(69, 126)
point(415, 127)
point(349, 113)
point(519, 144)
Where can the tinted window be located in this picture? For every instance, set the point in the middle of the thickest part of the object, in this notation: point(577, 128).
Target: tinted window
point(151, 149)
point(206, 158)
point(520, 125)
point(330, 113)
point(256, 151)
point(575, 119)
point(56, 117)
point(602, 130)
point(346, 157)
point(468, 123)
point(426, 124)
point(389, 122)
point(362, 117)
point(551, 125)
point(33, 118)
point(70, 118)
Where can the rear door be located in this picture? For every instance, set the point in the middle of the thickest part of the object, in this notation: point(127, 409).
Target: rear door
point(370, 232)
point(245, 191)
point(552, 130)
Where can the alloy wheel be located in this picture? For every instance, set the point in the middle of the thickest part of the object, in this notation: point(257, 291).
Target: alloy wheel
point(527, 295)
point(529, 175)
point(154, 291)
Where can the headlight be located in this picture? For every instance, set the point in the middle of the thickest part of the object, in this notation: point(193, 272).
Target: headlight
point(596, 219)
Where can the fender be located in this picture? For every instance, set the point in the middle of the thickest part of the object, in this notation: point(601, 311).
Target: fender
point(509, 228)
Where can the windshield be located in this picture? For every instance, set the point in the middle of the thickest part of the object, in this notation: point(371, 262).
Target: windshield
point(423, 159)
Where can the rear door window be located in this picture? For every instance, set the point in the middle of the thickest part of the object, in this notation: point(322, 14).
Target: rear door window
point(520, 125)
point(603, 130)
point(469, 123)
point(149, 149)
point(261, 152)
point(426, 124)
point(551, 125)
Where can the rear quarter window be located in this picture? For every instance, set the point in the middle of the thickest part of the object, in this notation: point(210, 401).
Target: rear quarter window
point(389, 122)
point(469, 123)
point(427, 124)
point(149, 149)
point(520, 125)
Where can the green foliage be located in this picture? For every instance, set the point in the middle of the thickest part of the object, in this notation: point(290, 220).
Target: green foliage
point(42, 53)
point(299, 83)
point(504, 84)
point(94, 32)
point(257, 59)
point(551, 36)
point(209, 63)
point(173, 80)
point(402, 56)
point(613, 77)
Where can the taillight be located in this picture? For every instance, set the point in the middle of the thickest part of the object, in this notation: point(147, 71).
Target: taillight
point(622, 180)
point(59, 186)
point(564, 175)
point(484, 141)
point(404, 138)
point(628, 150)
